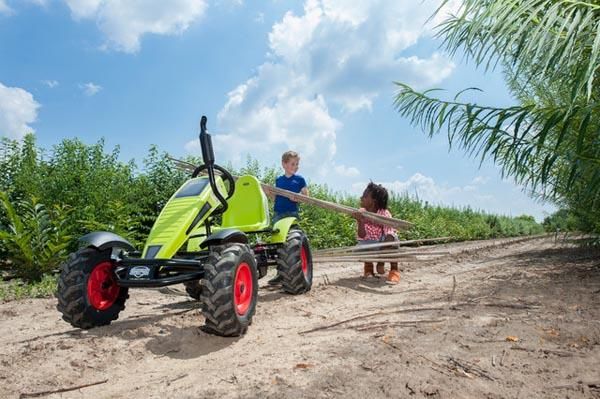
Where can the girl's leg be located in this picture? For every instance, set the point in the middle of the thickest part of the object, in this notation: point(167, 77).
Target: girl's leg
point(380, 268)
point(368, 272)
point(394, 275)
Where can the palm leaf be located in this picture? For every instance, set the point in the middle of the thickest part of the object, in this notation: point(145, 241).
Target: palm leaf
point(554, 36)
point(527, 141)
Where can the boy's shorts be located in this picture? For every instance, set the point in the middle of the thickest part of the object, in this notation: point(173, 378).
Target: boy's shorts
point(278, 216)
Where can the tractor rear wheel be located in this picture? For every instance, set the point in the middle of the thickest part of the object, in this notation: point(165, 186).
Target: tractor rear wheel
point(229, 290)
point(88, 294)
point(294, 263)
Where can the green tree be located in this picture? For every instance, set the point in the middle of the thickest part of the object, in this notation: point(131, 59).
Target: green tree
point(550, 54)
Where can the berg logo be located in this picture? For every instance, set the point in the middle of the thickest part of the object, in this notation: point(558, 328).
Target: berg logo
point(139, 271)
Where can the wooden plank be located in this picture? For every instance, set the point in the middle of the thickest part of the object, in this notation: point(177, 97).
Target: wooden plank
point(367, 247)
point(365, 259)
point(373, 217)
point(378, 253)
point(382, 255)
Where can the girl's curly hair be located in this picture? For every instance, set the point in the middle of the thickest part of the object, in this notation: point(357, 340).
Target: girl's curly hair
point(379, 195)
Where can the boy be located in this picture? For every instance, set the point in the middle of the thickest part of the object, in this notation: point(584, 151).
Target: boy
point(284, 207)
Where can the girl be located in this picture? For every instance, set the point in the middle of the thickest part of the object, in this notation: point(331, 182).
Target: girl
point(375, 199)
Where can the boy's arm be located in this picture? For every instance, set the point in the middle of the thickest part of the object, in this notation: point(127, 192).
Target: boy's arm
point(304, 191)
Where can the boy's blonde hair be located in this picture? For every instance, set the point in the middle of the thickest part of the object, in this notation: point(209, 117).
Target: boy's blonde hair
point(289, 155)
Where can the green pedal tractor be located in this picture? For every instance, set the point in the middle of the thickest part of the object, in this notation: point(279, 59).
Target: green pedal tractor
point(200, 239)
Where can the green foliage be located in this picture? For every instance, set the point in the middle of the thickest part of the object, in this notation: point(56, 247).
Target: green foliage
point(36, 238)
point(327, 229)
point(122, 220)
point(550, 52)
point(79, 188)
point(18, 289)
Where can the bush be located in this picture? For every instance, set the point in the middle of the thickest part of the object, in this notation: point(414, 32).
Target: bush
point(35, 238)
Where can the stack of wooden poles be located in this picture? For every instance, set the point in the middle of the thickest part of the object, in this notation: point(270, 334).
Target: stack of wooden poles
point(393, 251)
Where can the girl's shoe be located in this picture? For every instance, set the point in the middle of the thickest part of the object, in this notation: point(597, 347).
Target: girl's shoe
point(393, 277)
point(380, 268)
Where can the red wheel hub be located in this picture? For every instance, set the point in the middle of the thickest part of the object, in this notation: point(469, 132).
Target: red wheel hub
point(304, 260)
point(102, 288)
point(243, 289)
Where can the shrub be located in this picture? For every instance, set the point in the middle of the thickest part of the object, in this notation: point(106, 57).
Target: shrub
point(35, 238)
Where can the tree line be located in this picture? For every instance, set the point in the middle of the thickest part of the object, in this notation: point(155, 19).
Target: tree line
point(50, 197)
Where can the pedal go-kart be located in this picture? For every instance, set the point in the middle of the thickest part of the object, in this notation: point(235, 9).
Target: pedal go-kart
point(200, 239)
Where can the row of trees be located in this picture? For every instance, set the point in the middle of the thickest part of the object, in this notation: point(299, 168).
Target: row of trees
point(50, 198)
point(549, 52)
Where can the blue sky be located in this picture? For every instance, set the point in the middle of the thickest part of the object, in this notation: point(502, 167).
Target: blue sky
point(314, 76)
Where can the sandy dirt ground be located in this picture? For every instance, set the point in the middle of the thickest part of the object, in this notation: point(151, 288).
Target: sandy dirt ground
point(492, 319)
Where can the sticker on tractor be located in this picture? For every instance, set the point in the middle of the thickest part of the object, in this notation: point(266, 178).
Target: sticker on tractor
point(139, 272)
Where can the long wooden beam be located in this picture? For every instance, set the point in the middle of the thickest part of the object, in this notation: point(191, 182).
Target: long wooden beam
point(373, 217)
point(396, 254)
point(369, 247)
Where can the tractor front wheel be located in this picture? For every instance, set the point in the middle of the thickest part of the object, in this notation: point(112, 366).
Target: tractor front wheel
point(88, 294)
point(229, 290)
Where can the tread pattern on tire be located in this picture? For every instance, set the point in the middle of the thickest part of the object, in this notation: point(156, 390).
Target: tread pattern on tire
point(216, 295)
point(289, 264)
point(71, 291)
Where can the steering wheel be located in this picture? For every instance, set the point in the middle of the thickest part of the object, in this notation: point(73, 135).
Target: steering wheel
point(228, 178)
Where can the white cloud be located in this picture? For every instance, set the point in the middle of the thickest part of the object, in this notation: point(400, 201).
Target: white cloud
point(337, 55)
point(50, 83)
point(42, 3)
point(4, 8)
point(125, 22)
point(351, 51)
point(83, 8)
point(478, 180)
point(90, 88)
point(426, 189)
point(346, 171)
point(18, 109)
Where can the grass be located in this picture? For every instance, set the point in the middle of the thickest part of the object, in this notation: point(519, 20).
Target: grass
point(17, 289)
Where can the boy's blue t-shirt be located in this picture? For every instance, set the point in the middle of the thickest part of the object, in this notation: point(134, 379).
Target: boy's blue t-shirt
point(294, 183)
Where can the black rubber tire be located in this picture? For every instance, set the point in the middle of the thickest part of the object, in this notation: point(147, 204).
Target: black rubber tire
point(217, 296)
point(72, 290)
point(289, 263)
point(193, 288)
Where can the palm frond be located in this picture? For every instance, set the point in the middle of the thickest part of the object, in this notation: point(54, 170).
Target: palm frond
point(528, 142)
point(557, 37)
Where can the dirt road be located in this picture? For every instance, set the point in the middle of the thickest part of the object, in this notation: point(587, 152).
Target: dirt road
point(517, 319)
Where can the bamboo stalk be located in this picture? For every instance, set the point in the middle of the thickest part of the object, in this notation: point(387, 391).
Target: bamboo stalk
point(373, 217)
point(365, 259)
point(368, 259)
point(367, 247)
point(388, 254)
